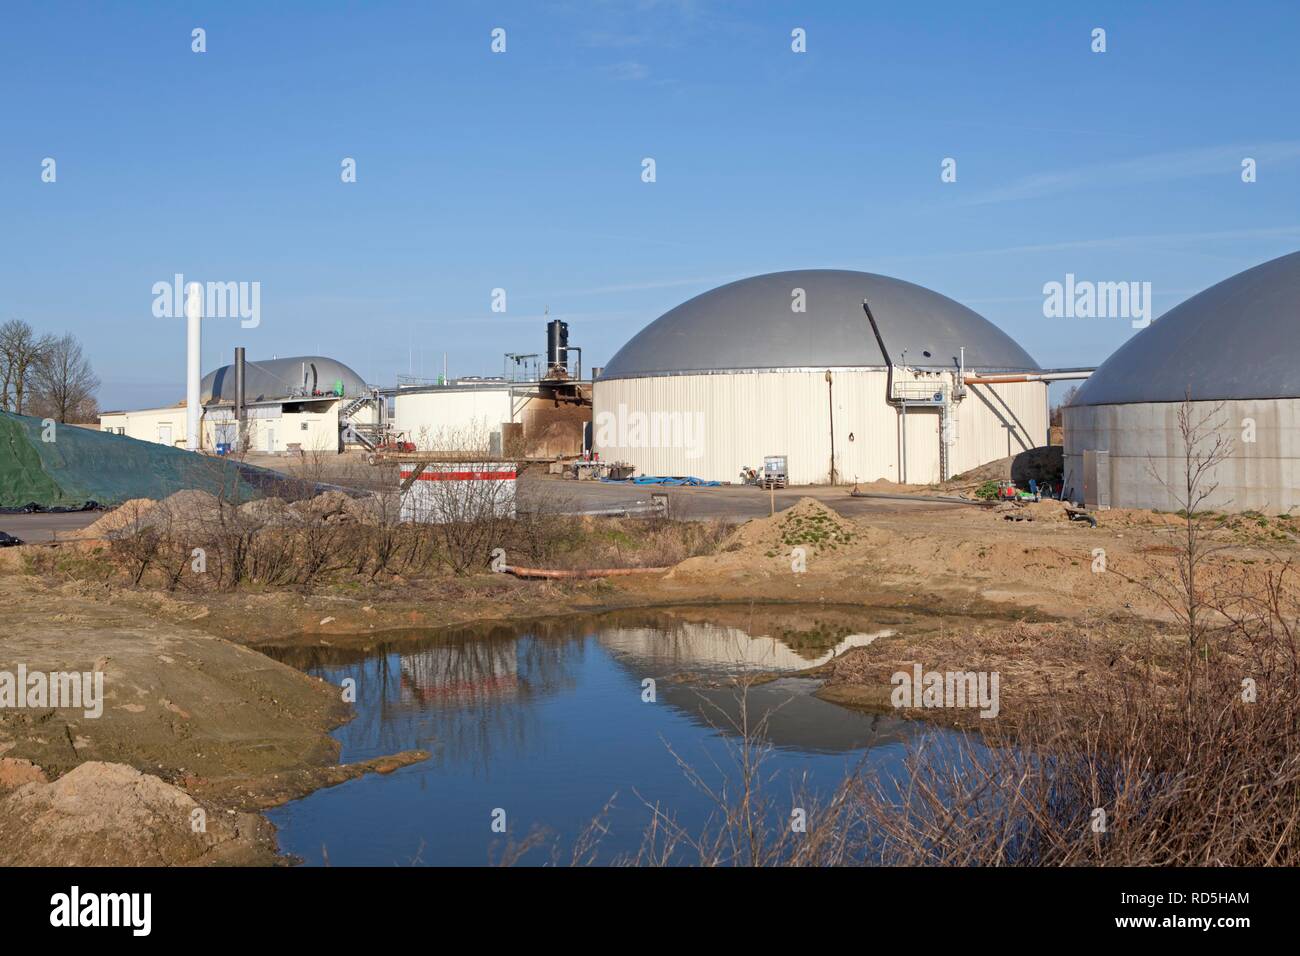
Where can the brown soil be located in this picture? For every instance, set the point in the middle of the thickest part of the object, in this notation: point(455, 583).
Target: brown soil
point(95, 814)
point(189, 703)
point(184, 706)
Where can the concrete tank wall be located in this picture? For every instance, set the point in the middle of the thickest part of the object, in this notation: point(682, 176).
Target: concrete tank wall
point(1148, 458)
point(710, 425)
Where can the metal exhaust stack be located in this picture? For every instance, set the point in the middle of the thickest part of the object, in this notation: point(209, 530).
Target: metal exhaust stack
point(193, 373)
point(239, 399)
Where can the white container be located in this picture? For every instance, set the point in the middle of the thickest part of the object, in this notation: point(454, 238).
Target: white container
point(445, 492)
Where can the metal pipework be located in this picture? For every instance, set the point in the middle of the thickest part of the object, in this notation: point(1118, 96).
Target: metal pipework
point(1048, 376)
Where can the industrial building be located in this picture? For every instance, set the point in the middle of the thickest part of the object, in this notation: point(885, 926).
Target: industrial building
point(539, 409)
point(305, 403)
point(1234, 351)
point(850, 376)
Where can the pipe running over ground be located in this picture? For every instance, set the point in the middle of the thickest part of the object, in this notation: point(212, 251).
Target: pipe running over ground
point(580, 573)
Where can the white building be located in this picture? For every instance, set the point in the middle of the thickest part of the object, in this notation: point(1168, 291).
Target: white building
point(794, 364)
point(306, 403)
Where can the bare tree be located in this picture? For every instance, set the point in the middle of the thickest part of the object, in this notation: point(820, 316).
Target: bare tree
point(21, 352)
point(1206, 446)
point(1057, 415)
point(63, 383)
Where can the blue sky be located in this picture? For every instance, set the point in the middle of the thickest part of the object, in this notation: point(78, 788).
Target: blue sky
point(522, 170)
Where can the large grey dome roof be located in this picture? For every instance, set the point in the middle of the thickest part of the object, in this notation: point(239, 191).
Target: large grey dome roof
point(749, 324)
point(282, 378)
point(1236, 340)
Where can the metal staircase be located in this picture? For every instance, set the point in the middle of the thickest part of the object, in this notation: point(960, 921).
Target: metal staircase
point(366, 434)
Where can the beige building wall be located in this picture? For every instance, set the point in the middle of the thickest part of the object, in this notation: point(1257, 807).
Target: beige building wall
point(311, 431)
point(165, 426)
point(711, 425)
point(267, 428)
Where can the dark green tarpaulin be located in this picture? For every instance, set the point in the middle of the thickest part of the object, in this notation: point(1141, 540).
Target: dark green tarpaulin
point(82, 465)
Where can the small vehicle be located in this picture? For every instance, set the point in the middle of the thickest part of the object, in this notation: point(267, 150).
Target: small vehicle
point(396, 443)
point(1007, 491)
point(774, 472)
point(391, 444)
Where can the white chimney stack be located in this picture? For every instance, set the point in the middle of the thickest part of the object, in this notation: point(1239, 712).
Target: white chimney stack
point(194, 334)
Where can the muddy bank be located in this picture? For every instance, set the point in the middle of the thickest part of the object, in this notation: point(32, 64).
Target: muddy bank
point(196, 713)
point(190, 702)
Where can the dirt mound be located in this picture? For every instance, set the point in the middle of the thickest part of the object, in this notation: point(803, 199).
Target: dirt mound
point(266, 512)
point(193, 512)
point(128, 515)
point(1047, 510)
point(16, 772)
point(809, 524)
point(1045, 463)
point(328, 506)
point(110, 814)
point(185, 512)
point(371, 509)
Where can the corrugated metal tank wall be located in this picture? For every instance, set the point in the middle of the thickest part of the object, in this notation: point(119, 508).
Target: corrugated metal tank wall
point(729, 420)
point(1147, 456)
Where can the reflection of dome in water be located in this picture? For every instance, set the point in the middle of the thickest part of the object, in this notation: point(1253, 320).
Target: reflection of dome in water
point(712, 646)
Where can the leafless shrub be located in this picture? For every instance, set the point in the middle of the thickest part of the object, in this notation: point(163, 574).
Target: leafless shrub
point(136, 543)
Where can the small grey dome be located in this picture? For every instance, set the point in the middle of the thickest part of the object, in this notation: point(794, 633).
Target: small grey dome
point(282, 378)
point(1239, 339)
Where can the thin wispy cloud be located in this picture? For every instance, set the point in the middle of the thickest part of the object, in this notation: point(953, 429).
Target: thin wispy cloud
point(628, 70)
point(1155, 167)
point(1113, 242)
point(704, 281)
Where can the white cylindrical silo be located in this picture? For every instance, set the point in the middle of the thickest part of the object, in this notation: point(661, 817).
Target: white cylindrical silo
point(193, 369)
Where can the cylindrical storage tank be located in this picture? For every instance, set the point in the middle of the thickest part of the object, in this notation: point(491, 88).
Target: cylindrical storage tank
point(740, 373)
point(1222, 368)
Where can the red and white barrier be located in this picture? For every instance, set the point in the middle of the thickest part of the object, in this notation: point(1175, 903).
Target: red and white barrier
point(445, 492)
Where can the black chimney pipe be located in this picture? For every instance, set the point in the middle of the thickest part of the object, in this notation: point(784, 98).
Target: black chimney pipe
point(239, 398)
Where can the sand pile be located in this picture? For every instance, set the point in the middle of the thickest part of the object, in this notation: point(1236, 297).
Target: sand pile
point(188, 512)
point(16, 772)
point(809, 524)
point(123, 519)
point(110, 814)
point(266, 512)
point(328, 506)
point(1048, 510)
point(1045, 463)
point(371, 510)
point(194, 513)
